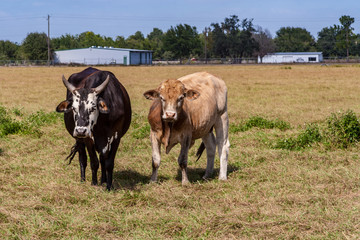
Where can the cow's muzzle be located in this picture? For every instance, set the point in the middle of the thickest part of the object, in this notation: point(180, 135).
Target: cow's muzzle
point(81, 132)
point(169, 116)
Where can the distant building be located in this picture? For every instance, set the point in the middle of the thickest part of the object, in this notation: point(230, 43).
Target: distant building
point(103, 56)
point(292, 57)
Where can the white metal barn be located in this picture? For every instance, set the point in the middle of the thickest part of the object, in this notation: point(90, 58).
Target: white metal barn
point(292, 57)
point(103, 56)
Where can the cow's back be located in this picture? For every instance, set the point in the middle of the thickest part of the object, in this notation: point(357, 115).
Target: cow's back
point(211, 103)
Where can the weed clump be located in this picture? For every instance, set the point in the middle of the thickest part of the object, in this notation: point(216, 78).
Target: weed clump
point(343, 129)
point(340, 131)
point(306, 138)
point(24, 125)
point(259, 122)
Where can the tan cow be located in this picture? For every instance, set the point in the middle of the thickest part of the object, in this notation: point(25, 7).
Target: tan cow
point(187, 109)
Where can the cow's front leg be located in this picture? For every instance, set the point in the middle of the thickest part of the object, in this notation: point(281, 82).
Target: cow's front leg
point(82, 159)
point(182, 160)
point(94, 162)
point(156, 158)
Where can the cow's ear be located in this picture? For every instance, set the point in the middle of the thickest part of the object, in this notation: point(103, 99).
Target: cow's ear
point(192, 94)
point(64, 106)
point(151, 94)
point(103, 108)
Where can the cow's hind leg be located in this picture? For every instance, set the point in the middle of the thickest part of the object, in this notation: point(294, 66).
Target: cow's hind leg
point(107, 164)
point(222, 141)
point(156, 158)
point(210, 146)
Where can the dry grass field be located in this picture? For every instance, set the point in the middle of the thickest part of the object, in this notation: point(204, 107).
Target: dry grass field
point(312, 193)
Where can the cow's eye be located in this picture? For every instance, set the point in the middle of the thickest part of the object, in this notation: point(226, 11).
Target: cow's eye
point(181, 98)
point(162, 99)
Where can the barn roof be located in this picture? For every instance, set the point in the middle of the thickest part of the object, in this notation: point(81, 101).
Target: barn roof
point(108, 48)
point(295, 53)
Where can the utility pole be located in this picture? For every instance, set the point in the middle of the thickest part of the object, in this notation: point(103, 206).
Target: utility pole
point(205, 49)
point(48, 39)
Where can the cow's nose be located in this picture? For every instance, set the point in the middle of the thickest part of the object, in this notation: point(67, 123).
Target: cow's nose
point(81, 131)
point(170, 114)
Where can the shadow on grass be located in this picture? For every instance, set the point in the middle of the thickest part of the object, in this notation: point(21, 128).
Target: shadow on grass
point(129, 179)
point(1, 152)
point(196, 174)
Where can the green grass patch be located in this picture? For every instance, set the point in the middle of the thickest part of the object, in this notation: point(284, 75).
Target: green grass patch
point(306, 138)
point(343, 129)
point(340, 130)
point(16, 122)
point(259, 122)
point(140, 127)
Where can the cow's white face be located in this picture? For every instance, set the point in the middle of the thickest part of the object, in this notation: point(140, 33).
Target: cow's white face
point(85, 106)
point(85, 112)
point(172, 94)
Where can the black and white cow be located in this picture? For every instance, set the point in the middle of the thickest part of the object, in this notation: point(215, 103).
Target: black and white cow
point(97, 113)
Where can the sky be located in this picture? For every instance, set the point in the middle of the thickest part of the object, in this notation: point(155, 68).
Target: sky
point(112, 18)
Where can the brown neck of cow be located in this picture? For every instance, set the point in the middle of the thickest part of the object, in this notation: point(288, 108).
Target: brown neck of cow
point(169, 127)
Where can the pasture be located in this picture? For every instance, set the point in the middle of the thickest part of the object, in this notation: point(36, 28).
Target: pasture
point(311, 193)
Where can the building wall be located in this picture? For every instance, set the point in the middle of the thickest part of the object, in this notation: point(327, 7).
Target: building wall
point(138, 58)
point(99, 56)
point(288, 58)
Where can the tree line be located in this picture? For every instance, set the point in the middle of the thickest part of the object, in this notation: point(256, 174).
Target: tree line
point(233, 38)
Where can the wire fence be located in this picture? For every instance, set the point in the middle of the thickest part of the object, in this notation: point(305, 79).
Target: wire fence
point(192, 61)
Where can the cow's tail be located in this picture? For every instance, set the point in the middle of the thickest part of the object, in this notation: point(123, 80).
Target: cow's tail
point(73, 152)
point(200, 151)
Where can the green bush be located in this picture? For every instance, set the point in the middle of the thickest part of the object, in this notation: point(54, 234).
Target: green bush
point(343, 129)
point(26, 125)
point(306, 138)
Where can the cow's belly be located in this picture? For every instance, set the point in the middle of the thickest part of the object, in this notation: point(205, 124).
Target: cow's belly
point(200, 130)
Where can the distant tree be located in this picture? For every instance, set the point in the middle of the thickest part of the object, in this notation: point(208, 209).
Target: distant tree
point(346, 35)
point(66, 41)
point(35, 46)
point(291, 39)
point(183, 41)
point(108, 41)
point(88, 39)
point(231, 28)
point(233, 38)
point(136, 41)
point(326, 42)
point(220, 45)
point(120, 42)
point(265, 43)
point(155, 39)
point(8, 50)
point(247, 42)
point(355, 47)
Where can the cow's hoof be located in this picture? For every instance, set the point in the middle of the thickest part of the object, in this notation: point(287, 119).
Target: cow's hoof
point(222, 178)
point(153, 182)
point(185, 182)
point(206, 177)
